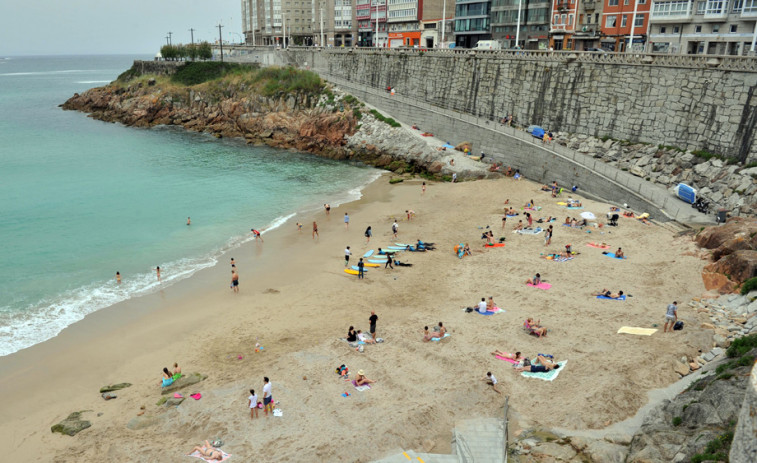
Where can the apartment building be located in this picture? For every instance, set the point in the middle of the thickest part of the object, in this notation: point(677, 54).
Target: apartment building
point(575, 24)
point(408, 19)
point(722, 27)
point(472, 22)
point(369, 13)
point(299, 22)
point(533, 33)
point(618, 19)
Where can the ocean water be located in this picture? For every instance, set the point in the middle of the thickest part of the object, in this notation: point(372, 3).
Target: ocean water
point(81, 199)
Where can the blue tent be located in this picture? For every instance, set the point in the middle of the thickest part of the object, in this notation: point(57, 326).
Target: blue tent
point(536, 131)
point(685, 193)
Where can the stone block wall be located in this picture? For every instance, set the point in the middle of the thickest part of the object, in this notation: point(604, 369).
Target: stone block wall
point(695, 107)
point(744, 446)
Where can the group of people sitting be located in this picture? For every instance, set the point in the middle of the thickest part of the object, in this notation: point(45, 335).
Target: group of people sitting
point(544, 363)
point(438, 332)
point(534, 327)
point(572, 222)
point(359, 336)
point(169, 377)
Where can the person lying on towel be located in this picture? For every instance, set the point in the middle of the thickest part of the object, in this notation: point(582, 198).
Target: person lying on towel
point(544, 366)
point(608, 293)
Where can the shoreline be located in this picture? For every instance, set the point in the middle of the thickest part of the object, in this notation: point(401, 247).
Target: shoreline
point(296, 301)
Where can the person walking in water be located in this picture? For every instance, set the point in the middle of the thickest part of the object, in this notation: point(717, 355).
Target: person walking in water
point(315, 230)
point(118, 277)
point(189, 221)
point(328, 208)
point(256, 234)
point(234, 280)
point(157, 271)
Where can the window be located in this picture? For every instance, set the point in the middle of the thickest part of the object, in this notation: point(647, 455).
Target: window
point(642, 2)
point(734, 28)
point(716, 28)
point(639, 21)
point(676, 29)
point(750, 6)
point(738, 5)
point(610, 20)
point(697, 29)
point(564, 18)
point(624, 21)
point(613, 3)
point(570, 21)
point(625, 2)
point(662, 29)
point(700, 7)
point(675, 8)
point(714, 7)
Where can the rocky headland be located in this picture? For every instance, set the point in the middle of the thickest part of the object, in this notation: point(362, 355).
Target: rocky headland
point(283, 108)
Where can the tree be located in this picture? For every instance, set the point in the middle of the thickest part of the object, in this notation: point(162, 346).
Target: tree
point(168, 52)
point(204, 51)
point(192, 51)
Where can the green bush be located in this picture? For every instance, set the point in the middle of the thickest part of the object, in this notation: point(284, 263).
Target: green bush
point(349, 99)
point(129, 74)
point(288, 80)
point(199, 72)
point(677, 421)
point(356, 112)
point(387, 120)
point(739, 347)
point(748, 285)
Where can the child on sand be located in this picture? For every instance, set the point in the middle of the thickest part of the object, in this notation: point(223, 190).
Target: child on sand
point(492, 381)
point(536, 280)
point(252, 402)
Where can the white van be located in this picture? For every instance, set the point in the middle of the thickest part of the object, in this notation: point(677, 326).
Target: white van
point(488, 45)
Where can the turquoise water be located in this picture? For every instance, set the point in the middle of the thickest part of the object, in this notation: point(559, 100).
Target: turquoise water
point(81, 199)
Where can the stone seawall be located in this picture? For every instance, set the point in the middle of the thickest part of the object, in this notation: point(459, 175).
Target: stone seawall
point(702, 106)
point(744, 448)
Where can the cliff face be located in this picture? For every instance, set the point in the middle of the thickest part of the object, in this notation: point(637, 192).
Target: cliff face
point(224, 109)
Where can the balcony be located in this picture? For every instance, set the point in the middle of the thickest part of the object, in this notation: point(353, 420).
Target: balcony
point(589, 5)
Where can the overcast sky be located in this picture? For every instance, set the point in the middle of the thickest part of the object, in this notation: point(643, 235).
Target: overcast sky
point(78, 27)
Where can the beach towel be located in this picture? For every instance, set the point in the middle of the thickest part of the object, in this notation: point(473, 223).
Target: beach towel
point(598, 246)
point(637, 331)
point(612, 254)
point(446, 335)
point(621, 298)
point(561, 259)
point(360, 388)
point(278, 412)
point(546, 376)
point(537, 208)
point(368, 254)
point(514, 362)
point(495, 245)
point(529, 231)
point(574, 207)
point(197, 396)
point(197, 454)
point(562, 203)
point(485, 313)
point(515, 215)
point(541, 285)
point(167, 382)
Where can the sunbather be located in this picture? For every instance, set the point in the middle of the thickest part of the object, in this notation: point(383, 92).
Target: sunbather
point(362, 380)
point(535, 280)
point(427, 334)
point(535, 328)
point(516, 356)
point(439, 330)
point(176, 370)
point(351, 334)
point(619, 254)
point(544, 366)
point(365, 338)
point(567, 220)
point(519, 226)
point(608, 293)
point(466, 250)
point(490, 304)
point(208, 452)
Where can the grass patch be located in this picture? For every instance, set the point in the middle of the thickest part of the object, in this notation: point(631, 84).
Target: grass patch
point(750, 165)
point(278, 81)
point(349, 99)
point(385, 119)
point(356, 112)
point(677, 421)
point(706, 155)
point(716, 450)
point(129, 74)
point(199, 72)
point(671, 148)
point(396, 180)
point(748, 285)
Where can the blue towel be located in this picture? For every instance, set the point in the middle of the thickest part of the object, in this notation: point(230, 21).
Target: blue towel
point(621, 298)
point(612, 254)
point(446, 335)
point(167, 382)
point(485, 313)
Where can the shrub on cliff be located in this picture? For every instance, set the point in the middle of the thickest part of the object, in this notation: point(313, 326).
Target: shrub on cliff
point(281, 81)
point(197, 73)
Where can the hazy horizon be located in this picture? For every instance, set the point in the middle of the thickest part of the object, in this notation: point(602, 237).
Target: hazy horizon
point(91, 27)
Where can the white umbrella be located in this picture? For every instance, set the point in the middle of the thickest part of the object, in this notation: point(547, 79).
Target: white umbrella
point(588, 215)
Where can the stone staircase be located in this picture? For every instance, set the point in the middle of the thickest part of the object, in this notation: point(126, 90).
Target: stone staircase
point(480, 440)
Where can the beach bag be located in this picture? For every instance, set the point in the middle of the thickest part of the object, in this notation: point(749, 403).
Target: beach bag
point(678, 326)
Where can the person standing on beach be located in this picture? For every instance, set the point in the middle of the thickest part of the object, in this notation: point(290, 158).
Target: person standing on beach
point(360, 269)
point(368, 234)
point(671, 317)
point(234, 280)
point(346, 221)
point(157, 271)
point(315, 230)
point(252, 402)
point(118, 277)
point(233, 263)
point(423, 188)
point(189, 221)
point(373, 319)
point(395, 228)
point(267, 397)
point(388, 261)
point(347, 254)
point(256, 234)
point(410, 214)
point(328, 208)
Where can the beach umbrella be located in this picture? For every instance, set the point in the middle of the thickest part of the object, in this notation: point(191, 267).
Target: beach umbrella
point(588, 215)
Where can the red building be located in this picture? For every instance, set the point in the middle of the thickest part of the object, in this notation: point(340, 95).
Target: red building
point(617, 17)
point(367, 12)
point(562, 25)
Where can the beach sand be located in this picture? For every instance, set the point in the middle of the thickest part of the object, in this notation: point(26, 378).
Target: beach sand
point(296, 301)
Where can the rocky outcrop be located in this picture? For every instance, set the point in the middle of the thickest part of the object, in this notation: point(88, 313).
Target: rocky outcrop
point(328, 125)
point(72, 425)
point(183, 382)
point(734, 252)
point(114, 387)
point(728, 186)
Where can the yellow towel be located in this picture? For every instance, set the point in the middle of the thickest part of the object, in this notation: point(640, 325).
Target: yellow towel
point(637, 330)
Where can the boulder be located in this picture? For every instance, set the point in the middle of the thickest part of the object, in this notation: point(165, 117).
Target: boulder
point(736, 234)
point(435, 167)
point(681, 368)
point(114, 387)
point(606, 452)
point(181, 383)
point(714, 281)
point(637, 172)
point(72, 425)
point(553, 451)
point(174, 401)
point(721, 341)
point(739, 266)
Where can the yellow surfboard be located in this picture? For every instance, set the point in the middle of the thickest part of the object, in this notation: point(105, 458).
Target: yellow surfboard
point(372, 265)
point(350, 271)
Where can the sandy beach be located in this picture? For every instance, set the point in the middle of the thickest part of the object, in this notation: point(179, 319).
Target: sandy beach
point(296, 301)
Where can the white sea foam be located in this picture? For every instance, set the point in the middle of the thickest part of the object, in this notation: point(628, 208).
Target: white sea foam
point(43, 73)
point(47, 318)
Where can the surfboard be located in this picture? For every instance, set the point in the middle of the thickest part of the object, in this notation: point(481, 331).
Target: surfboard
point(396, 248)
point(355, 267)
point(371, 265)
point(350, 271)
point(376, 261)
point(403, 245)
point(368, 254)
